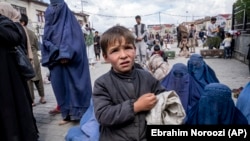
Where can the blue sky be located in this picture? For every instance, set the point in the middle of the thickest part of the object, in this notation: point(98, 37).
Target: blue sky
point(106, 13)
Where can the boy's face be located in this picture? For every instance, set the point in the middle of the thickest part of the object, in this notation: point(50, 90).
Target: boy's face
point(121, 56)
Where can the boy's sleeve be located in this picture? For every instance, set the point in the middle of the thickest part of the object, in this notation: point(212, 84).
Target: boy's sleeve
point(223, 42)
point(106, 112)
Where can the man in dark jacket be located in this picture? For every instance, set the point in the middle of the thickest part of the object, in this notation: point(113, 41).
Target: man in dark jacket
point(97, 47)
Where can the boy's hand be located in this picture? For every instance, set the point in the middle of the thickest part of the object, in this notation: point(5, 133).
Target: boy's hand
point(145, 102)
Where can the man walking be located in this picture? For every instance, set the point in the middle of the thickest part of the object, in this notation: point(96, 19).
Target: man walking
point(97, 47)
point(140, 40)
point(37, 80)
point(192, 38)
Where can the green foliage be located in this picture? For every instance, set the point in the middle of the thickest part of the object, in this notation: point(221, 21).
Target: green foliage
point(242, 3)
point(239, 7)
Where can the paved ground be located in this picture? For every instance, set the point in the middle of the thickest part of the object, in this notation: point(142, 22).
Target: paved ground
point(229, 71)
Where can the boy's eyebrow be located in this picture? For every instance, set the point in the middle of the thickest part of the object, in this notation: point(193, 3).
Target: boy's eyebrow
point(113, 47)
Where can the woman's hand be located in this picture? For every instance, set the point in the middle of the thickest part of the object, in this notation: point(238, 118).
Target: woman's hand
point(64, 61)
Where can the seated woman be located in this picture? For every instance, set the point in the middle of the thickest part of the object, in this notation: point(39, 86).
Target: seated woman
point(88, 130)
point(200, 71)
point(215, 107)
point(243, 101)
point(179, 80)
point(158, 64)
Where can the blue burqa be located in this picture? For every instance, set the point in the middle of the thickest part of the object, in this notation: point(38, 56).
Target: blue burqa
point(88, 130)
point(63, 39)
point(179, 80)
point(243, 102)
point(202, 73)
point(215, 107)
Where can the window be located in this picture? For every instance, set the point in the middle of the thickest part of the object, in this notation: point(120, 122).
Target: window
point(20, 9)
point(80, 22)
point(40, 16)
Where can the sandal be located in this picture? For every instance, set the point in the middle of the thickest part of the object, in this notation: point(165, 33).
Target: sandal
point(54, 111)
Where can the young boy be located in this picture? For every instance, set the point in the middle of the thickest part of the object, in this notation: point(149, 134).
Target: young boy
point(123, 96)
point(227, 46)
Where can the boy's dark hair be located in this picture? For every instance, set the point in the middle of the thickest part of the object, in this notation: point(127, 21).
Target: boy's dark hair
point(213, 19)
point(157, 48)
point(113, 34)
point(96, 31)
point(24, 18)
point(228, 34)
point(137, 17)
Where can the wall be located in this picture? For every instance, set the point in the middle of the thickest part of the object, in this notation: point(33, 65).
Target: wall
point(241, 47)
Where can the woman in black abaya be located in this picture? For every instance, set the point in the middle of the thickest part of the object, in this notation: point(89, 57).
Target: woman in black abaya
point(17, 122)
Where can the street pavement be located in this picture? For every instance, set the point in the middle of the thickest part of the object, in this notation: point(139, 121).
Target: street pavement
point(231, 72)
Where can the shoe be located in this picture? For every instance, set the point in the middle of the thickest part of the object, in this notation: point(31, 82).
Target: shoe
point(54, 111)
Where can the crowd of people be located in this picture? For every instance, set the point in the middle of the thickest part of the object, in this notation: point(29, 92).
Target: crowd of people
point(124, 100)
point(214, 37)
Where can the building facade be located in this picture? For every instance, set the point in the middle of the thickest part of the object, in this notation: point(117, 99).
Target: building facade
point(162, 29)
point(35, 9)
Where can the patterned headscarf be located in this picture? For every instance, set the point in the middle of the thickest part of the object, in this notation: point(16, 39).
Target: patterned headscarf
point(7, 10)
